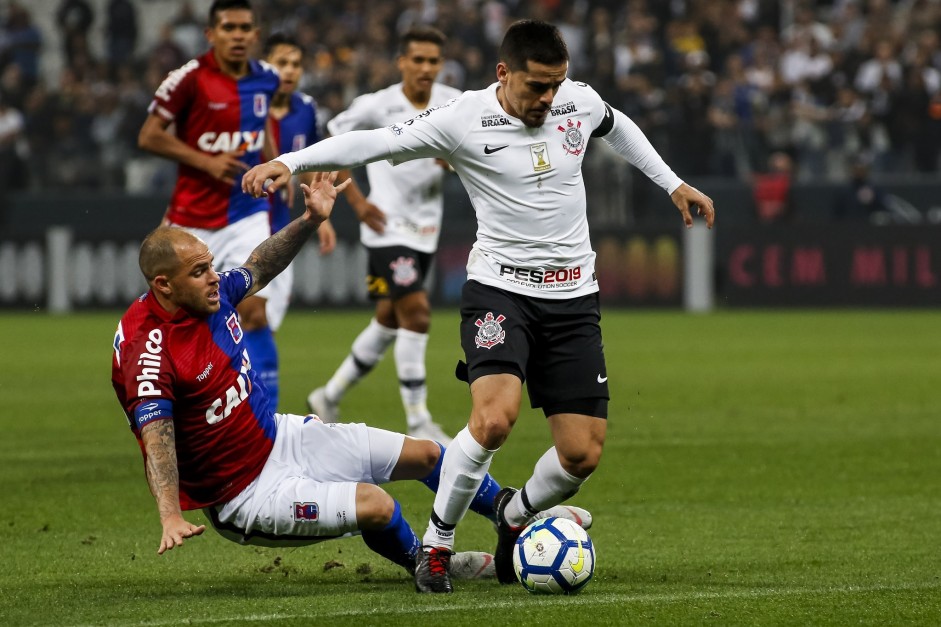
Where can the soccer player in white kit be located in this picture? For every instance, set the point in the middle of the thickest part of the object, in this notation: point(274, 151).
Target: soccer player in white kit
point(530, 306)
point(401, 223)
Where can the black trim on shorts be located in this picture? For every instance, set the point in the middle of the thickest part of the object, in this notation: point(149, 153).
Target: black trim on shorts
point(596, 407)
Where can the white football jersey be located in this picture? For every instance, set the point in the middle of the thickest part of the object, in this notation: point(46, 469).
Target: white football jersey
point(411, 194)
point(525, 185)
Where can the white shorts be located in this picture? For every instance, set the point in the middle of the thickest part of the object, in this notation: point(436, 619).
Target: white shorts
point(306, 492)
point(232, 245)
point(279, 297)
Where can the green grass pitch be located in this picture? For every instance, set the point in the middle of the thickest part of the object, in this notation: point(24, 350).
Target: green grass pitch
point(760, 468)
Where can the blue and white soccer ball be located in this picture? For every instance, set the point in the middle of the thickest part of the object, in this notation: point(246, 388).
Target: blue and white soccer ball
point(554, 556)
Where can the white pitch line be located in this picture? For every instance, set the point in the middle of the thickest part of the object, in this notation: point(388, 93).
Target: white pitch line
point(573, 601)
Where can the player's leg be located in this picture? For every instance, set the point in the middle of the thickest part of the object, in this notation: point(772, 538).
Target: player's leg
point(496, 346)
point(568, 379)
point(369, 346)
point(259, 340)
point(368, 349)
point(413, 315)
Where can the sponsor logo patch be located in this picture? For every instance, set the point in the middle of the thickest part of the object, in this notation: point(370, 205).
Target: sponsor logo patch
point(489, 331)
point(404, 272)
point(564, 109)
point(494, 120)
point(261, 105)
point(540, 158)
point(574, 142)
point(235, 329)
point(306, 511)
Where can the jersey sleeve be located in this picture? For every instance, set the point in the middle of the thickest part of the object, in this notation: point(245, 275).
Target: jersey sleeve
point(146, 376)
point(176, 92)
point(360, 115)
point(436, 132)
point(235, 283)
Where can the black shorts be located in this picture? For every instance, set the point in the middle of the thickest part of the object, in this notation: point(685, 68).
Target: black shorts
point(395, 271)
point(553, 345)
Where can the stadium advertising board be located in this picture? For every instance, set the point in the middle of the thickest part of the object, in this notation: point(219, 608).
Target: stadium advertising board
point(859, 265)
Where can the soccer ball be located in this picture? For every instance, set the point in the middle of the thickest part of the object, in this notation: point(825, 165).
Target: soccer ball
point(554, 556)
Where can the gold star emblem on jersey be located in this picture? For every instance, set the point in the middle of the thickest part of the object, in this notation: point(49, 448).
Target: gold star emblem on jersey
point(540, 157)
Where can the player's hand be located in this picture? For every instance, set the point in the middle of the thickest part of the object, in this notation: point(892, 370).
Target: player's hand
point(225, 166)
point(686, 197)
point(175, 529)
point(328, 238)
point(320, 195)
point(265, 179)
point(371, 215)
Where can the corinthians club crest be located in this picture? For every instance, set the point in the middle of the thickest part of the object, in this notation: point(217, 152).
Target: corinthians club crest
point(489, 332)
point(574, 142)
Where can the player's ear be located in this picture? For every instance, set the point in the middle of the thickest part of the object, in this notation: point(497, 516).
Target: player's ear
point(502, 72)
point(161, 284)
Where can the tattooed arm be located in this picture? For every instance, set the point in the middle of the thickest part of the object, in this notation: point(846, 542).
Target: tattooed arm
point(163, 476)
point(274, 254)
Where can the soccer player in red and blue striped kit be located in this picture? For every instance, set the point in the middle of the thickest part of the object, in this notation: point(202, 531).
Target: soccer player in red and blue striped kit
point(294, 125)
point(210, 439)
point(211, 116)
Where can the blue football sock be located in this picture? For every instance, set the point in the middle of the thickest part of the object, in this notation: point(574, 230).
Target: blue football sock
point(483, 500)
point(264, 355)
point(396, 541)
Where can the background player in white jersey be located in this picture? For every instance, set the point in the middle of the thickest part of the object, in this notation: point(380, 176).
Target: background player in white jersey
point(529, 309)
point(401, 222)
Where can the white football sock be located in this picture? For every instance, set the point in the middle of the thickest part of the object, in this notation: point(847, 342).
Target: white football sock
point(462, 471)
point(410, 366)
point(549, 485)
point(368, 348)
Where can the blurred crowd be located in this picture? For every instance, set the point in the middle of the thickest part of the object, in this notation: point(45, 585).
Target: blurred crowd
point(726, 88)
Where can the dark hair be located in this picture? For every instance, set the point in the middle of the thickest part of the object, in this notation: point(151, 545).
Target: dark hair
point(533, 40)
point(421, 32)
point(226, 5)
point(280, 39)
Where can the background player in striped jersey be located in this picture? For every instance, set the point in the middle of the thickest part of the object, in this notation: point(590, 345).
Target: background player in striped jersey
point(211, 116)
point(401, 223)
point(530, 309)
point(209, 436)
point(293, 126)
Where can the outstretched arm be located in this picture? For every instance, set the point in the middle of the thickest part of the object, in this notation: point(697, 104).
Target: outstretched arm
point(334, 153)
point(163, 477)
point(274, 254)
point(630, 142)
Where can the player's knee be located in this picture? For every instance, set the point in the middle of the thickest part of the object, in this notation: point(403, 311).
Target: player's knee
point(413, 312)
point(491, 425)
point(583, 461)
point(374, 507)
point(428, 456)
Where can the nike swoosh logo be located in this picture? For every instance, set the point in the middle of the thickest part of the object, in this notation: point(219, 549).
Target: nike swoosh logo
point(578, 564)
point(602, 379)
point(489, 151)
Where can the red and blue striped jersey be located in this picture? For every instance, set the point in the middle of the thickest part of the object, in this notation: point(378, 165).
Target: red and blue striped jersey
point(214, 113)
point(196, 372)
point(296, 130)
